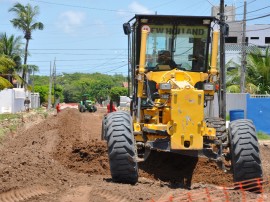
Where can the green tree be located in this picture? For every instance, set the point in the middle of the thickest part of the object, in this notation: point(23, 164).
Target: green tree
point(43, 93)
point(116, 92)
point(97, 85)
point(257, 73)
point(26, 21)
point(258, 69)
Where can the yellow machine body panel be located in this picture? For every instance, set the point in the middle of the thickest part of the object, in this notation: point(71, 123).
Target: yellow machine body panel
point(187, 108)
point(164, 76)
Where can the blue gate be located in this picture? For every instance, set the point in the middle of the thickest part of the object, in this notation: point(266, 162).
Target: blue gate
point(258, 110)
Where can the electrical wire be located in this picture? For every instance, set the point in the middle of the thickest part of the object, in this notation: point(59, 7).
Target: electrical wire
point(251, 30)
point(251, 11)
point(264, 16)
point(239, 6)
point(84, 7)
point(75, 49)
point(117, 68)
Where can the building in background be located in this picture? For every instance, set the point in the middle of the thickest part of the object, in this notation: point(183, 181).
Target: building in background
point(257, 35)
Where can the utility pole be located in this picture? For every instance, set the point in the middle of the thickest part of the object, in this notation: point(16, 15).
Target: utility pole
point(222, 79)
point(243, 52)
point(50, 88)
point(54, 83)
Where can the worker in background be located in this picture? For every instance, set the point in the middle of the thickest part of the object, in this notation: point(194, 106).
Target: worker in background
point(58, 108)
point(27, 104)
point(111, 107)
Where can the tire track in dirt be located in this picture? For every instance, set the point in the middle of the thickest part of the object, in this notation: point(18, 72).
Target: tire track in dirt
point(85, 193)
point(110, 197)
point(17, 195)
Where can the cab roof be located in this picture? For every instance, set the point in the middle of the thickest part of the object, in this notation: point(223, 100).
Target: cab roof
point(172, 19)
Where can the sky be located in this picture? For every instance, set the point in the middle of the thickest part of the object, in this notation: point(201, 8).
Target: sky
point(87, 36)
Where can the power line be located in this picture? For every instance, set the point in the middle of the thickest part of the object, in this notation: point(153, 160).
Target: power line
point(264, 16)
point(82, 65)
point(239, 7)
point(84, 7)
point(251, 30)
point(251, 11)
point(35, 53)
point(116, 68)
point(73, 49)
point(210, 2)
point(240, 21)
point(258, 9)
point(33, 61)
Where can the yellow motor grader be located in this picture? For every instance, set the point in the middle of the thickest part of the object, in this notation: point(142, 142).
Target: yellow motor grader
point(172, 85)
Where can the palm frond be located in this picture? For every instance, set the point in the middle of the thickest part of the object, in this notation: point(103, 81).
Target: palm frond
point(233, 89)
point(4, 83)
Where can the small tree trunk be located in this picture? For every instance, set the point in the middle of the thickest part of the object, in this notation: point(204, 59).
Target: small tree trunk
point(25, 61)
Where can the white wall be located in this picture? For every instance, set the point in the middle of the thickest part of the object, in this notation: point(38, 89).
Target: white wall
point(233, 101)
point(12, 100)
point(6, 104)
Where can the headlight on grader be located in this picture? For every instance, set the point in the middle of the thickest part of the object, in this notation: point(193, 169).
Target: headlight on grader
point(208, 86)
point(164, 86)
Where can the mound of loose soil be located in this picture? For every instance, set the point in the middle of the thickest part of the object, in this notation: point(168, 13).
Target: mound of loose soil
point(65, 155)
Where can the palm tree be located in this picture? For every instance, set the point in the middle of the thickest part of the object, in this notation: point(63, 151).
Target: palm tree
point(5, 65)
point(258, 73)
point(26, 21)
point(11, 47)
point(233, 81)
point(258, 69)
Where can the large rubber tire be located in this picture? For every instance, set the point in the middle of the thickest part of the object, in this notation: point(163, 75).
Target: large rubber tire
point(245, 154)
point(121, 148)
point(104, 126)
point(81, 108)
point(220, 125)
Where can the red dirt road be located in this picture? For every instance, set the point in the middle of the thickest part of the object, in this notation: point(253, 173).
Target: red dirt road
point(63, 159)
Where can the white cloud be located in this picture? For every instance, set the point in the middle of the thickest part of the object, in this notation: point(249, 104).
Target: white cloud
point(134, 8)
point(69, 21)
point(138, 8)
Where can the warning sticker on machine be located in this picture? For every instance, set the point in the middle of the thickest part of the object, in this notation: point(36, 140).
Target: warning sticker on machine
point(147, 28)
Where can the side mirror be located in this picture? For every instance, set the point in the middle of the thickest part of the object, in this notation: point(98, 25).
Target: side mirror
point(127, 28)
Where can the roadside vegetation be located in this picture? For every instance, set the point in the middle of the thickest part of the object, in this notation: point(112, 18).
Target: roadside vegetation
point(10, 123)
point(263, 136)
point(69, 88)
point(257, 73)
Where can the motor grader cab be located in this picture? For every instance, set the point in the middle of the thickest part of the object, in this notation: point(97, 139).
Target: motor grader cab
point(172, 85)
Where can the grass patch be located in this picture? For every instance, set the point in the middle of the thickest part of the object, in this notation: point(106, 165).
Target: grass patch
point(263, 136)
point(9, 116)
